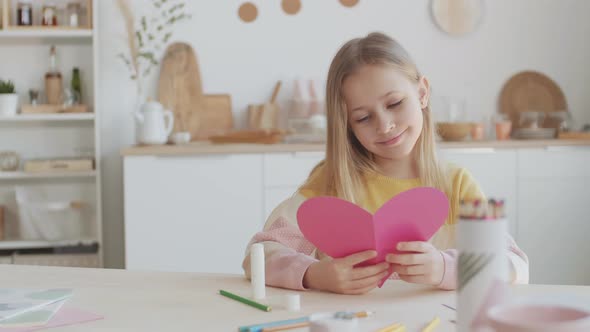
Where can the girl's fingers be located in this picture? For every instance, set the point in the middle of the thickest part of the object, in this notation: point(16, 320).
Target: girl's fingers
point(411, 270)
point(414, 279)
point(368, 271)
point(416, 246)
point(407, 259)
point(371, 281)
point(359, 257)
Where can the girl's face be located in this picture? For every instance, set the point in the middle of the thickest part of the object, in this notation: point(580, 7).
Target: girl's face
point(384, 110)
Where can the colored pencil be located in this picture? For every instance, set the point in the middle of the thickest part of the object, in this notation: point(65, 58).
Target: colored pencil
point(245, 300)
point(432, 325)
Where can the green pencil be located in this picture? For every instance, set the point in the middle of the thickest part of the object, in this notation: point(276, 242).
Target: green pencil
point(245, 300)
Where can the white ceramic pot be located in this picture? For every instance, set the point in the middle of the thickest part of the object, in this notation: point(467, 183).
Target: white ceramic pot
point(8, 104)
point(155, 123)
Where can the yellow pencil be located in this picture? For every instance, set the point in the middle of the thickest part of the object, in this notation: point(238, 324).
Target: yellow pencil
point(432, 325)
point(393, 328)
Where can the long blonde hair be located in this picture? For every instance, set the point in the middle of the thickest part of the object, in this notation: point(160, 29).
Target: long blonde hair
point(346, 159)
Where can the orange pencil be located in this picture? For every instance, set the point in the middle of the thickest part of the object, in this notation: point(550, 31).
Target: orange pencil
point(285, 327)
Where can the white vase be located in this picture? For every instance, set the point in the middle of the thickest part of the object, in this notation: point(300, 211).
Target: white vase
point(8, 104)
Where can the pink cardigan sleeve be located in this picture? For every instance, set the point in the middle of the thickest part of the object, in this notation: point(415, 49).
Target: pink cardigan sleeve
point(287, 253)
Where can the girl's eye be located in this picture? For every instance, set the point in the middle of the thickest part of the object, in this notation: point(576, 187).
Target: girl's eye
point(390, 106)
point(363, 119)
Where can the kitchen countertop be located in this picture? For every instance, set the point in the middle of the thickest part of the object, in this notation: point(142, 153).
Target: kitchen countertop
point(196, 148)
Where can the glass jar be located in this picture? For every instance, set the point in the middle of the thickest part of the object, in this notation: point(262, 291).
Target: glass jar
point(73, 14)
point(49, 14)
point(24, 13)
point(530, 120)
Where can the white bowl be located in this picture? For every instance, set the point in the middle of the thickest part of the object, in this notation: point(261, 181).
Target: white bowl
point(530, 317)
point(181, 137)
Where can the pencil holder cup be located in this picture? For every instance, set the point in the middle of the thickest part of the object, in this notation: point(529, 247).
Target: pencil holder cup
point(483, 269)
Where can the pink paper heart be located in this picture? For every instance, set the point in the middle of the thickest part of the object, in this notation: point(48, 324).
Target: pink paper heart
point(340, 228)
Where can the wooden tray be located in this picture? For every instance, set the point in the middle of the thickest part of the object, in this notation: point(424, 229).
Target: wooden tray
point(583, 135)
point(530, 91)
point(49, 109)
point(250, 136)
point(59, 165)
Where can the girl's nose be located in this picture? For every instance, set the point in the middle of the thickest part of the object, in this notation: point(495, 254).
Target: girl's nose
point(385, 123)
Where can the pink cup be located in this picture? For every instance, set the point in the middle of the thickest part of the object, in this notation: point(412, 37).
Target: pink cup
point(538, 318)
point(503, 130)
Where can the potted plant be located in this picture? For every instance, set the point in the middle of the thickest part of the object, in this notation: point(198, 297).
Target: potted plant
point(8, 98)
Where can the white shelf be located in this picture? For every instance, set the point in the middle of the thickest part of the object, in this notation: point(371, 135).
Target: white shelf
point(28, 244)
point(48, 175)
point(48, 117)
point(46, 33)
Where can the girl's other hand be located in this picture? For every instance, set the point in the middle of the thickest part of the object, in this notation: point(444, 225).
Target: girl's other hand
point(340, 276)
point(423, 264)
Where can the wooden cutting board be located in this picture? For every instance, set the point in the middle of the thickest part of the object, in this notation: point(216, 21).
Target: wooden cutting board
point(180, 90)
point(530, 91)
point(457, 17)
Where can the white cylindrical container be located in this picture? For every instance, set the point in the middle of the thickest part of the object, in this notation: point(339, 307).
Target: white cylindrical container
point(8, 104)
point(257, 271)
point(483, 265)
point(293, 302)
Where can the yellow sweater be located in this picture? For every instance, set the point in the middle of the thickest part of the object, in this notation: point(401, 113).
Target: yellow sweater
point(381, 188)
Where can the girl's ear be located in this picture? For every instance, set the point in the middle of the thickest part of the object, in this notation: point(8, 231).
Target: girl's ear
point(424, 91)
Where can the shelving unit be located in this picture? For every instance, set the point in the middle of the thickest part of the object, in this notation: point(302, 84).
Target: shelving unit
point(48, 175)
point(48, 117)
point(46, 33)
point(49, 136)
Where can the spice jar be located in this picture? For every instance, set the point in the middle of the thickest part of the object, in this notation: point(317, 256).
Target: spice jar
point(73, 14)
point(24, 13)
point(49, 14)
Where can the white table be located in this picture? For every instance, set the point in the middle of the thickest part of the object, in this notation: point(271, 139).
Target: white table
point(165, 301)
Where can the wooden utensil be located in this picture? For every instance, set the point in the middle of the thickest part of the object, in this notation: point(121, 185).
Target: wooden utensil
point(180, 90)
point(265, 116)
point(530, 91)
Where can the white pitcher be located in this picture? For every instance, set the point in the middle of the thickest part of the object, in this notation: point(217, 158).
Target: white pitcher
point(155, 123)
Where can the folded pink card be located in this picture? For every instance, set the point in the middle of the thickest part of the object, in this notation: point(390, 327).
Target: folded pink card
point(340, 228)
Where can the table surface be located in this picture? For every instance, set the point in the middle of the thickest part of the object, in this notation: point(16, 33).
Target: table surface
point(165, 301)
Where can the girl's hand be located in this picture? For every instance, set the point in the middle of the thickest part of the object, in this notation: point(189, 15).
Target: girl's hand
point(425, 265)
point(340, 276)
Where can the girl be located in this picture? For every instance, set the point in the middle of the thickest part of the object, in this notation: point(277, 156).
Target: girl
point(380, 143)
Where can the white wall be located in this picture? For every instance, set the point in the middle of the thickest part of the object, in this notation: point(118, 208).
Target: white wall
point(245, 60)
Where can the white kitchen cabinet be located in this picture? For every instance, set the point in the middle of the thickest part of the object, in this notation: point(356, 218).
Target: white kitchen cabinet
point(284, 173)
point(495, 172)
point(193, 213)
point(198, 212)
point(554, 214)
